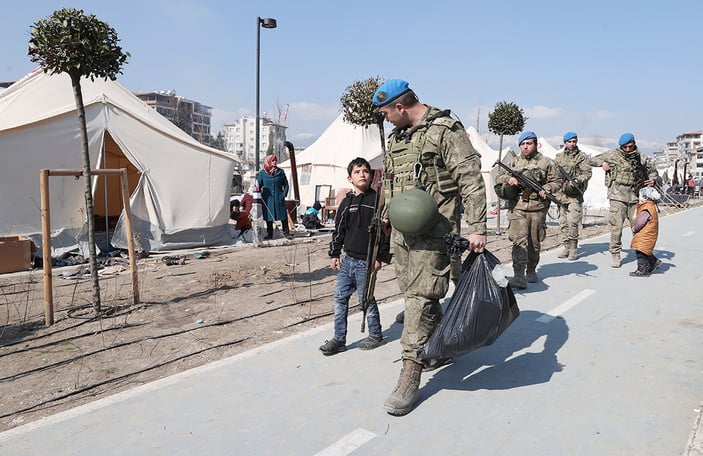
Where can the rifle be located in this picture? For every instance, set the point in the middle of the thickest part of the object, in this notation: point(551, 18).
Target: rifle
point(373, 253)
point(527, 182)
point(568, 177)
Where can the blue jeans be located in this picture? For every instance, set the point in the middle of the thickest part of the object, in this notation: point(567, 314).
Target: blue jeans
point(350, 278)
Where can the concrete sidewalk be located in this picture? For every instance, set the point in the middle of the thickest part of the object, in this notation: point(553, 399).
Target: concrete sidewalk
point(597, 363)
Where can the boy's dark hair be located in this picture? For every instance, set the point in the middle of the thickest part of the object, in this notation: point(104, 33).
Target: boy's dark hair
point(358, 161)
point(233, 203)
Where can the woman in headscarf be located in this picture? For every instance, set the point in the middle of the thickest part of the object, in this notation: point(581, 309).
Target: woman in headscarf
point(274, 188)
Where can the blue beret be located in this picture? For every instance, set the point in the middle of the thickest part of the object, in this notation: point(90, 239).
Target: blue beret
point(526, 135)
point(389, 91)
point(625, 138)
point(569, 135)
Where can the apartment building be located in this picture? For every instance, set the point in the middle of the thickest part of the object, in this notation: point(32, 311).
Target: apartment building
point(240, 140)
point(190, 116)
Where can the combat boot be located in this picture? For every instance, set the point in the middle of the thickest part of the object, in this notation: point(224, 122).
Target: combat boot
point(616, 260)
point(643, 270)
point(532, 276)
point(565, 253)
point(518, 280)
point(407, 391)
point(573, 250)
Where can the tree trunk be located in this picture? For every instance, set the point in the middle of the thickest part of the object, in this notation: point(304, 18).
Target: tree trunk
point(500, 159)
point(89, 209)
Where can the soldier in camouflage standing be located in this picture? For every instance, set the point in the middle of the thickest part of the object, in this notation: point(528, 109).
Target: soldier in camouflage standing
point(575, 171)
point(428, 150)
point(527, 213)
point(626, 172)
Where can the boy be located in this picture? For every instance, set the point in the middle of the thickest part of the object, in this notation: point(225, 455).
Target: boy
point(645, 232)
point(351, 232)
point(311, 220)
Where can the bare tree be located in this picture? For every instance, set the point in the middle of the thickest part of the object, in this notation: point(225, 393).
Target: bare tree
point(70, 42)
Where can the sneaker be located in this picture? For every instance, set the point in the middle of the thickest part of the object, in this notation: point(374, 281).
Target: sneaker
point(332, 347)
point(371, 342)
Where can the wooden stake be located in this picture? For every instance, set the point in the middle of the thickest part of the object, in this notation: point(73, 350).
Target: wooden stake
point(46, 248)
point(130, 236)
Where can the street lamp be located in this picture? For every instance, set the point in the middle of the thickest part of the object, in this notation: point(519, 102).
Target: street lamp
point(269, 23)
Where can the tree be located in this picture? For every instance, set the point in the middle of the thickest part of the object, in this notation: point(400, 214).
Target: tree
point(218, 142)
point(70, 42)
point(506, 119)
point(358, 107)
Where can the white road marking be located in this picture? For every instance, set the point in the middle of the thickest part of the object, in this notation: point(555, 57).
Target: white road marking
point(561, 309)
point(688, 234)
point(348, 443)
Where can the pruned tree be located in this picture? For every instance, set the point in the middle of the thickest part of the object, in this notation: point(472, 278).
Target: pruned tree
point(70, 42)
point(358, 107)
point(507, 118)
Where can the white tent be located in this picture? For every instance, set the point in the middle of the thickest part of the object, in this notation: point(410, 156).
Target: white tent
point(179, 187)
point(488, 158)
point(545, 148)
point(324, 163)
point(595, 199)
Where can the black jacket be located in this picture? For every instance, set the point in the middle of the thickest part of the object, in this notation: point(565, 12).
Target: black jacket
point(351, 226)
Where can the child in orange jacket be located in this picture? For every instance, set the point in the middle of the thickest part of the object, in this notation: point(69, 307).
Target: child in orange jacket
point(646, 231)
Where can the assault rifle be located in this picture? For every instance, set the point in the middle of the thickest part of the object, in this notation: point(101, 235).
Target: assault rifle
point(377, 238)
point(566, 176)
point(527, 182)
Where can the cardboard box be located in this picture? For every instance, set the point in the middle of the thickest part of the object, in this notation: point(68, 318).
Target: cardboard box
point(15, 254)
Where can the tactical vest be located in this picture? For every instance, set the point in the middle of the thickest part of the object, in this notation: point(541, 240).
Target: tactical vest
point(415, 163)
point(624, 171)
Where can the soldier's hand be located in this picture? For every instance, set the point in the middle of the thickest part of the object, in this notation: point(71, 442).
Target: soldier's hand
point(542, 194)
point(649, 183)
point(513, 181)
point(606, 166)
point(477, 242)
point(377, 265)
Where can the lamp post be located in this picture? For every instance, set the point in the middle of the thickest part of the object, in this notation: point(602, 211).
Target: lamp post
point(269, 23)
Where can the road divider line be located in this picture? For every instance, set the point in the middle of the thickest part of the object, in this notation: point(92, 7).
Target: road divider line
point(348, 443)
point(563, 308)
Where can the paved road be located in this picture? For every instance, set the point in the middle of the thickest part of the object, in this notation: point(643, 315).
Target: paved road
point(597, 363)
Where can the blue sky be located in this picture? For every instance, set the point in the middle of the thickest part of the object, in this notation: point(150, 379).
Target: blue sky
point(599, 68)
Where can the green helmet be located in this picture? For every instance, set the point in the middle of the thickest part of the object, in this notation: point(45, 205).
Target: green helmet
point(413, 212)
point(506, 191)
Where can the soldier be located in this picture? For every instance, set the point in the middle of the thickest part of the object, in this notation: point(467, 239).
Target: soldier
point(527, 210)
point(626, 172)
point(428, 150)
point(575, 171)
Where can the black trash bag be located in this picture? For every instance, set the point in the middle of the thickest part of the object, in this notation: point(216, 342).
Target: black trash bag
point(478, 312)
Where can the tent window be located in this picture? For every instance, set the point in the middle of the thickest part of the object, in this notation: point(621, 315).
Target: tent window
point(305, 172)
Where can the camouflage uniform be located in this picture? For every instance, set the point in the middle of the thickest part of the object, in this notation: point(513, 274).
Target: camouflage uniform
point(435, 155)
point(627, 172)
point(528, 212)
point(575, 164)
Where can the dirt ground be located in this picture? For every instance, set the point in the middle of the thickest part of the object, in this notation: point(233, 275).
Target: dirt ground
point(190, 314)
